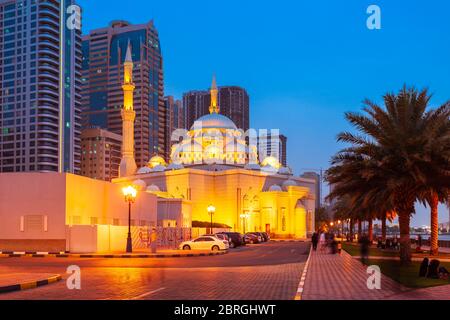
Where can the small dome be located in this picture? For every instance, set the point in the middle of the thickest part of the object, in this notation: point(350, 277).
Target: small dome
point(140, 184)
point(175, 166)
point(156, 161)
point(159, 168)
point(252, 166)
point(275, 187)
point(153, 188)
point(271, 162)
point(144, 170)
point(214, 121)
point(289, 183)
point(285, 170)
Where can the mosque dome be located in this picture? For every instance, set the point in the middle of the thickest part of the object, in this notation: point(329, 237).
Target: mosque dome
point(271, 162)
point(153, 188)
point(156, 161)
point(159, 168)
point(275, 187)
point(214, 121)
point(175, 166)
point(144, 170)
point(139, 184)
point(289, 183)
point(285, 170)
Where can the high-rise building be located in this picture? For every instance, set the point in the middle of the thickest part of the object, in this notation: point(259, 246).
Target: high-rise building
point(174, 119)
point(40, 82)
point(272, 144)
point(101, 154)
point(234, 103)
point(104, 53)
point(318, 186)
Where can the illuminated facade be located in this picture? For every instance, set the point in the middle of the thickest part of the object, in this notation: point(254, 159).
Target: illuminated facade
point(213, 165)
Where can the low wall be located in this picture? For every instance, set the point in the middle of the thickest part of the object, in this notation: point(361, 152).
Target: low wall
point(42, 245)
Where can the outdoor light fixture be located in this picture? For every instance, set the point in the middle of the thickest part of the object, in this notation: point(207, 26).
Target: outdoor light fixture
point(244, 217)
point(130, 194)
point(211, 210)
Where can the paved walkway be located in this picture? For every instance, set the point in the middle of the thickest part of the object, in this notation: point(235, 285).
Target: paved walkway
point(341, 277)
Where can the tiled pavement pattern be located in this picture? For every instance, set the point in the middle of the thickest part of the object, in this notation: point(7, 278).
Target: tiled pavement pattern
point(340, 277)
point(277, 282)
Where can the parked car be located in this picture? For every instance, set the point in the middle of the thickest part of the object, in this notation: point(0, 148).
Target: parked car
point(266, 236)
point(251, 238)
point(220, 236)
point(259, 235)
point(236, 239)
point(205, 243)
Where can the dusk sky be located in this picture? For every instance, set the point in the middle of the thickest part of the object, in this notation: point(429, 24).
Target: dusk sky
point(303, 63)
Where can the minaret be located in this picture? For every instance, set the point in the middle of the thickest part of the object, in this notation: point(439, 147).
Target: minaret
point(214, 107)
point(128, 164)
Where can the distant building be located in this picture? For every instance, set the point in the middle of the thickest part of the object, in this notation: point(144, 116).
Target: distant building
point(101, 154)
point(40, 82)
point(318, 186)
point(234, 103)
point(271, 144)
point(104, 53)
point(174, 120)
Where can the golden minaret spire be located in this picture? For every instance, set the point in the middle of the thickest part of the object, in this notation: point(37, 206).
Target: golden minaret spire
point(128, 164)
point(214, 107)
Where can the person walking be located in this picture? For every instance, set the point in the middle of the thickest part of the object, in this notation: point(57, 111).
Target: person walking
point(322, 242)
point(314, 240)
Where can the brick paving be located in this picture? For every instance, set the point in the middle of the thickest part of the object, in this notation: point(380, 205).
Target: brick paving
point(433, 293)
point(340, 277)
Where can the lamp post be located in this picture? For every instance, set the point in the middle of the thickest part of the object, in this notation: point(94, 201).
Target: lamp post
point(130, 194)
point(211, 211)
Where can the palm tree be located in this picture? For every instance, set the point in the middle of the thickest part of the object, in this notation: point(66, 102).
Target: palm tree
point(435, 185)
point(393, 146)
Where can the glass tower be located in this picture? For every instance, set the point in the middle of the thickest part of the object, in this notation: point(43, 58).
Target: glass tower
point(40, 72)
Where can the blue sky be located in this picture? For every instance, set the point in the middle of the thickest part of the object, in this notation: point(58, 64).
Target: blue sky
point(304, 63)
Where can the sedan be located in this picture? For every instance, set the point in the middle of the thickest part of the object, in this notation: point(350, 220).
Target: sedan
point(205, 243)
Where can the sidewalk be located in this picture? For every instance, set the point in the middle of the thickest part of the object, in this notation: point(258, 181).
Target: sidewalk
point(340, 277)
point(22, 281)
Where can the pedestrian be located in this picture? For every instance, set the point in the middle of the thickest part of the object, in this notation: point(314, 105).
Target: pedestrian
point(314, 240)
point(364, 248)
point(322, 242)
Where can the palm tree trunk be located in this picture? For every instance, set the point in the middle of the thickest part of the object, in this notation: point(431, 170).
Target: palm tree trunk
point(370, 230)
point(352, 224)
point(383, 229)
point(404, 218)
point(359, 228)
point(434, 242)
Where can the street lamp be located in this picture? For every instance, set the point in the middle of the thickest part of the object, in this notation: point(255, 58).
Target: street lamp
point(130, 194)
point(244, 217)
point(211, 210)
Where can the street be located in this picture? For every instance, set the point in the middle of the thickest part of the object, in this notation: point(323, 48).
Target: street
point(269, 271)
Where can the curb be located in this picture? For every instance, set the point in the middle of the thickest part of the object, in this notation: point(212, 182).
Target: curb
point(301, 285)
point(107, 256)
point(30, 284)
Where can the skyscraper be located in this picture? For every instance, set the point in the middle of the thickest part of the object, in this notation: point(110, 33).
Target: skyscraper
point(234, 103)
point(272, 144)
point(174, 119)
point(40, 72)
point(104, 53)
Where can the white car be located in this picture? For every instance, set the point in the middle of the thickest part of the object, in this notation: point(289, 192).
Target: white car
point(205, 243)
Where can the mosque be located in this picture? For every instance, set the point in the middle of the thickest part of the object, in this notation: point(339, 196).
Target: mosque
point(215, 174)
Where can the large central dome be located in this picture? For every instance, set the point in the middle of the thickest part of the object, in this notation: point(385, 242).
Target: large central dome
point(214, 121)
